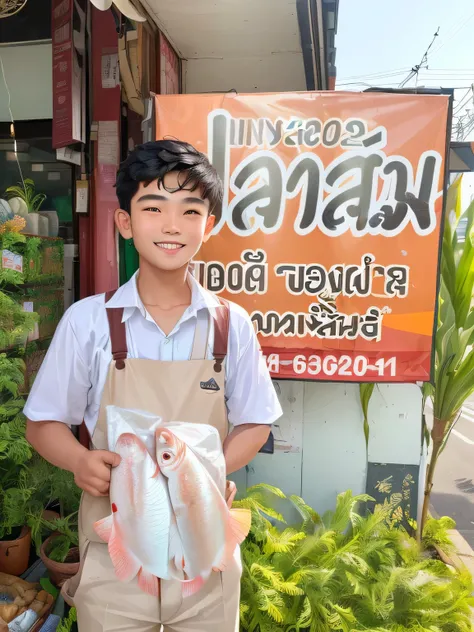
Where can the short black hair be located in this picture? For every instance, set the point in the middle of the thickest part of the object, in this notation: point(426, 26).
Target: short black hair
point(154, 160)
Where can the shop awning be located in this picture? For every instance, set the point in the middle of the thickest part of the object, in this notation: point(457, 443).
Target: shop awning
point(250, 46)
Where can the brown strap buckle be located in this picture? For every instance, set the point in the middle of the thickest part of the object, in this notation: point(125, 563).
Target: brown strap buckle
point(118, 334)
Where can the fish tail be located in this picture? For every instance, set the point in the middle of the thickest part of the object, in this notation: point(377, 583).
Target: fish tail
point(103, 528)
point(240, 521)
point(192, 586)
point(149, 583)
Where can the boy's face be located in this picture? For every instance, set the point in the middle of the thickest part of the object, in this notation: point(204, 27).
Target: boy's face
point(167, 228)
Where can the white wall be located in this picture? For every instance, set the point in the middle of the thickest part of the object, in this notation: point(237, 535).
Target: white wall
point(28, 71)
point(271, 73)
point(320, 445)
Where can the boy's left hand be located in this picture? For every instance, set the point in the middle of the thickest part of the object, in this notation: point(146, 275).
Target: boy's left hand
point(230, 492)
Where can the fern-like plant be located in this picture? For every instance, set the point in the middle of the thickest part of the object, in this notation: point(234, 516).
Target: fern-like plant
point(346, 570)
point(28, 484)
point(67, 623)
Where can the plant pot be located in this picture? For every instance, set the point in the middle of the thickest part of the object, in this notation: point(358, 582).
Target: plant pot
point(53, 222)
point(32, 224)
point(50, 514)
point(43, 225)
point(59, 572)
point(19, 207)
point(15, 554)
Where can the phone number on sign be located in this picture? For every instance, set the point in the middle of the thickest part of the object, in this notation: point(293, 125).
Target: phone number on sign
point(330, 365)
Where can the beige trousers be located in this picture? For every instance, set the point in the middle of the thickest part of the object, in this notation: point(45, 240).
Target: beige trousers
point(107, 605)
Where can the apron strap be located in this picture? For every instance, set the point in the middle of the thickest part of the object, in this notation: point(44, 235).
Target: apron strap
point(119, 347)
point(118, 333)
point(221, 333)
point(201, 335)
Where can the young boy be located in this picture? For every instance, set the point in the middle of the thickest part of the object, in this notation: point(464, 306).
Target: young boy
point(163, 344)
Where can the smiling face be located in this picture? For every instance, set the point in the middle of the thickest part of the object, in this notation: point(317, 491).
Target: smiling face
point(167, 224)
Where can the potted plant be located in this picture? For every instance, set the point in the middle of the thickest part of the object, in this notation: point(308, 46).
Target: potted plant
point(60, 550)
point(15, 534)
point(15, 453)
point(53, 519)
point(26, 202)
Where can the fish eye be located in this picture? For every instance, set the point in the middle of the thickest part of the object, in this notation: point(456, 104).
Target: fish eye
point(166, 456)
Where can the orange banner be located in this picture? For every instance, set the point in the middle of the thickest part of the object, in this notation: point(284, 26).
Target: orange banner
point(330, 229)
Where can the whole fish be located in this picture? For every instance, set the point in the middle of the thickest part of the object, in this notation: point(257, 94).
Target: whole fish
point(208, 531)
point(138, 530)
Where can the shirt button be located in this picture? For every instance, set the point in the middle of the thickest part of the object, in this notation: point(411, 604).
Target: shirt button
point(167, 341)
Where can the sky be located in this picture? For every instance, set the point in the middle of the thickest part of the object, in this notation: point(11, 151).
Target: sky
point(379, 41)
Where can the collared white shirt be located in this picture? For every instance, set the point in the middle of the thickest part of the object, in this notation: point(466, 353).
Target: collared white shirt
point(69, 384)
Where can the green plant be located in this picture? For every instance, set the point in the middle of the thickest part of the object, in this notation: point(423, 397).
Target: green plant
point(55, 489)
point(365, 393)
point(66, 623)
point(15, 452)
point(15, 323)
point(346, 570)
point(28, 484)
point(67, 536)
point(454, 357)
point(11, 375)
point(42, 259)
point(435, 533)
point(26, 191)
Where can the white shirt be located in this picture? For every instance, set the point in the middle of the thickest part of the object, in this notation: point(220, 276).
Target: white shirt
point(69, 384)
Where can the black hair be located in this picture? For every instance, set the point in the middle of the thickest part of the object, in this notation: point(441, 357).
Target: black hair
point(154, 160)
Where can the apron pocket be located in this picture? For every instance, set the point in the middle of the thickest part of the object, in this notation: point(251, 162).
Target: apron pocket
point(92, 510)
point(71, 586)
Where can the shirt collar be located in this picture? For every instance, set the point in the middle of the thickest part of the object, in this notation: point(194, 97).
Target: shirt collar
point(128, 298)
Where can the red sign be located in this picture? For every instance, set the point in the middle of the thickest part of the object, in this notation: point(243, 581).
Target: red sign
point(67, 76)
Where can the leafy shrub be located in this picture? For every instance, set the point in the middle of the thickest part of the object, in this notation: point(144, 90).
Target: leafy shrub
point(347, 570)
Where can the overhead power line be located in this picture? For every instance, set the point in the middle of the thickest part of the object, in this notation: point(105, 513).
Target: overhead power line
point(384, 73)
point(423, 63)
point(454, 30)
point(463, 101)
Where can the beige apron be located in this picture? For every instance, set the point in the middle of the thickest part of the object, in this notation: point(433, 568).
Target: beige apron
point(175, 391)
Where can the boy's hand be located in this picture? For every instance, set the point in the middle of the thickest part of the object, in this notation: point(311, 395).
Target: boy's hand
point(230, 492)
point(92, 473)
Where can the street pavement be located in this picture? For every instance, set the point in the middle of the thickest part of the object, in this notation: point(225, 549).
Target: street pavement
point(453, 491)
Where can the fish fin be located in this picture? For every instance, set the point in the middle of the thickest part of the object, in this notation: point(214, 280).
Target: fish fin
point(176, 551)
point(149, 583)
point(103, 527)
point(240, 521)
point(192, 586)
point(157, 471)
point(125, 564)
point(238, 528)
